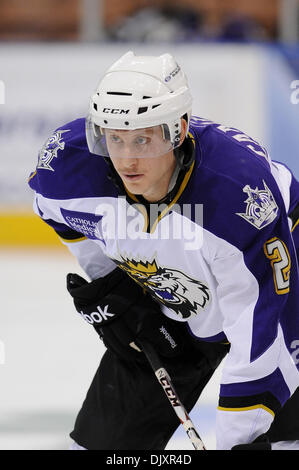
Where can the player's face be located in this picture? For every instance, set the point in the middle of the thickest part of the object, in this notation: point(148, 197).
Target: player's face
point(149, 177)
point(148, 173)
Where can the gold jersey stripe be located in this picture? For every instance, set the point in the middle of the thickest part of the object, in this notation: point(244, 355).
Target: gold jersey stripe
point(73, 240)
point(245, 408)
point(294, 226)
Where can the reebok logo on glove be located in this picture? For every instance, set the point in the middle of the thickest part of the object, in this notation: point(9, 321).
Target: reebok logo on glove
point(168, 337)
point(97, 317)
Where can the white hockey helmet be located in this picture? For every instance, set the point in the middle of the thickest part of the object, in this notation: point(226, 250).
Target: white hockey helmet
point(145, 93)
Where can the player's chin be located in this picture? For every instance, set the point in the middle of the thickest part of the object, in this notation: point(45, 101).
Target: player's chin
point(135, 185)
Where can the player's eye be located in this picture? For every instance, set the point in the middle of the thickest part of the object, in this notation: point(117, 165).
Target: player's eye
point(115, 139)
point(141, 140)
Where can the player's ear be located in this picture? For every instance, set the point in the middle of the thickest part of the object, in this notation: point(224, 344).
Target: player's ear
point(183, 130)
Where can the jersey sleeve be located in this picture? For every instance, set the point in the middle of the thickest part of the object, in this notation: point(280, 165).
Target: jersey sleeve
point(290, 190)
point(256, 272)
point(48, 182)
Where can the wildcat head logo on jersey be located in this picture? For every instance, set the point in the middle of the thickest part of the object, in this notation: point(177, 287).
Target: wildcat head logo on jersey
point(261, 207)
point(50, 149)
point(177, 291)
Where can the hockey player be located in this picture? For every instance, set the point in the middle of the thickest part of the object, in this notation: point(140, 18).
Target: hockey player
point(184, 229)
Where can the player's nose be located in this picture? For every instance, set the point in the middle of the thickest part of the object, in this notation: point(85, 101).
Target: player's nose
point(129, 163)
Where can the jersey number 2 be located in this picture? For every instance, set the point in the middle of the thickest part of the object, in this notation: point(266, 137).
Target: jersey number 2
point(277, 252)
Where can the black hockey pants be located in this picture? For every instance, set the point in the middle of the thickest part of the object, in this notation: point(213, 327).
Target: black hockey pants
point(126, 408)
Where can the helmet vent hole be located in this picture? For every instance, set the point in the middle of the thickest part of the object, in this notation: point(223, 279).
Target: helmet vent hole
point(142, 110)
point(146, 97)
point(155, 106)
point(95, 106)
point(118, 93)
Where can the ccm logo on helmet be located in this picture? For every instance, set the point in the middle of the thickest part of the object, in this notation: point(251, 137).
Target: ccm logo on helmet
point(116, 111)
point(97, 317)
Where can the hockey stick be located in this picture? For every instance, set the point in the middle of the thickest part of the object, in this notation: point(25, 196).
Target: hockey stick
point(167, 385)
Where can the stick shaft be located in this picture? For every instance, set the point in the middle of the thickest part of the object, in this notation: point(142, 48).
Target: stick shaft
point(167, 385)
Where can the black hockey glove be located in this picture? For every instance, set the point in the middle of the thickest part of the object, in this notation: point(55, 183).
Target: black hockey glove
point(260, 443)
point(123, 314)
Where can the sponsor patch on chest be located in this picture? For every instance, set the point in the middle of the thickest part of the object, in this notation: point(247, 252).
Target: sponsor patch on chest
point(84, 222)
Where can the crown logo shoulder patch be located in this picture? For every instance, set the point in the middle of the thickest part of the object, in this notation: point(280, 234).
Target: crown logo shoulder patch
point(50, 150)
point(261, 208)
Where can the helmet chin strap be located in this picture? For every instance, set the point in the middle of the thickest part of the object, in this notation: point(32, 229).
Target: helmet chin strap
point(174, 177)
point(184, 154)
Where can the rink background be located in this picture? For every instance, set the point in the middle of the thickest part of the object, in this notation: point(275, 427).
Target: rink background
point(48, 356)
